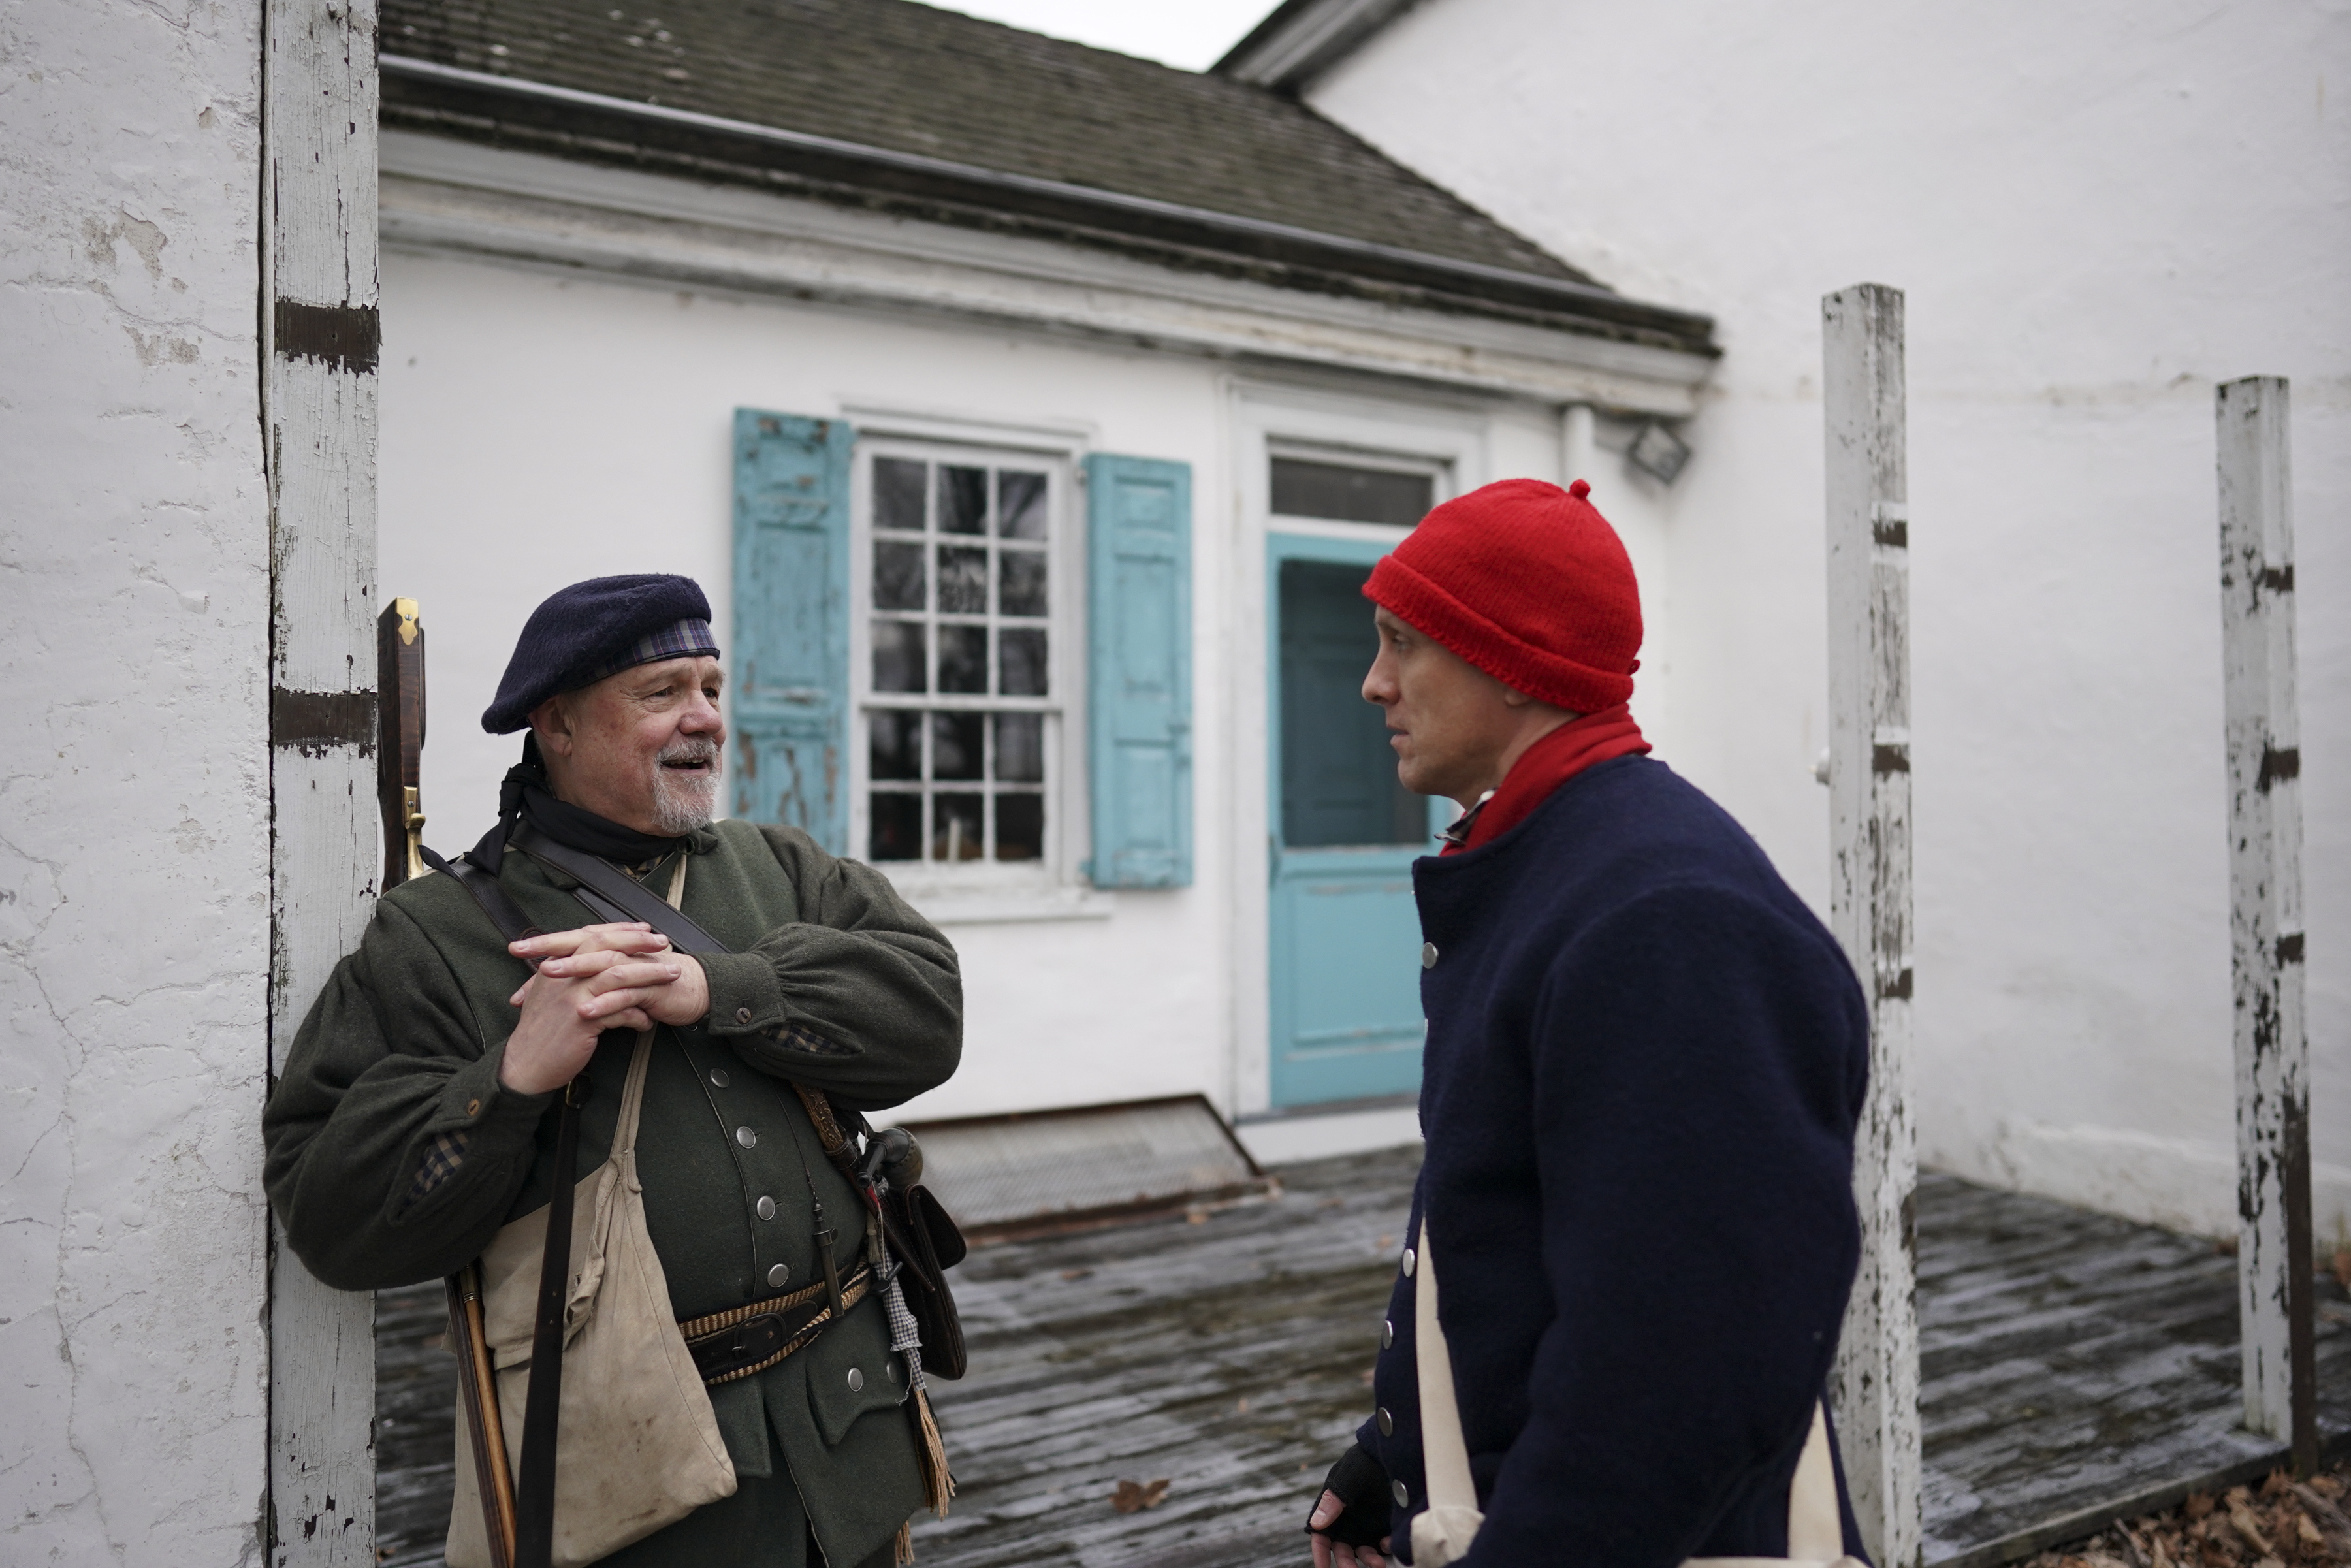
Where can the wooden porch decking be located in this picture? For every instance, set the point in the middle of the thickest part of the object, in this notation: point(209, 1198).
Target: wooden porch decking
point(2075, 1367)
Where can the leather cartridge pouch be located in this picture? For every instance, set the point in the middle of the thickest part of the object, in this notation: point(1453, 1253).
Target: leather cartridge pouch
point(638, 1447)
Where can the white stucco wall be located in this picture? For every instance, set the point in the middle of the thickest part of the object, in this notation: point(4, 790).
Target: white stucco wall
point(2098, 212)
point(539, 427)
point(134, 808)
point(537, 430)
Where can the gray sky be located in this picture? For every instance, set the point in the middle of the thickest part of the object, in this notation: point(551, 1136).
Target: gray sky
point(1187, 33)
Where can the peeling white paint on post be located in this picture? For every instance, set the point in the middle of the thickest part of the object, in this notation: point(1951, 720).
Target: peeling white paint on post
point(321, 338)
point(1874, 1386)
point(2275, 1302)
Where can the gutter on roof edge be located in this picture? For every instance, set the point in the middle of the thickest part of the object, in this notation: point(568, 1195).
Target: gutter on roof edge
point(1301, 39)
point(418, 86)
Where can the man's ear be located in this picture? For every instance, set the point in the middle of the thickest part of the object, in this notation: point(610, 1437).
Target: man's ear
point(551, 722)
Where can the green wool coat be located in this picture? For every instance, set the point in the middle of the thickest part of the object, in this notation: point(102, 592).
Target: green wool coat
point(833, 981)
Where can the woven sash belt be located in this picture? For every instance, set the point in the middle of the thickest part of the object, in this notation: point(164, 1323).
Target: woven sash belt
point(732, 1344)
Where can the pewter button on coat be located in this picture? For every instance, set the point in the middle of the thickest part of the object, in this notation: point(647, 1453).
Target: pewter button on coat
point(1388, 1334)
point(1387, 1423)
point(1408, 1259)
point(1429, 954)
point(750, 1139)
point(856, 1380)
point(767, 1206)
point(742, 1015)
point(719, 1077)
point(1401, 1492)
point(777, 1276)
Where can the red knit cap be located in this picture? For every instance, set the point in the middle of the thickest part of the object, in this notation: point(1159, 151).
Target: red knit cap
point(1528, 583)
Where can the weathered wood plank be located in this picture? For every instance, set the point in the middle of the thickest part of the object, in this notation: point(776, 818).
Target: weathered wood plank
point(2265, 927)
point(1874, 1386)
point(2077, 1368)
point(1230, 1356)
point(319, 384)
point(2074, 1367)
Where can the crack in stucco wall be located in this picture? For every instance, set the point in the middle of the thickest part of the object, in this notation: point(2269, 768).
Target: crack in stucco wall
point(133, 867)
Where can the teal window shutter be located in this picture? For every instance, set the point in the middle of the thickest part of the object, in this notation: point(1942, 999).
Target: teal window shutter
point(1139, 686)
point(790, 712)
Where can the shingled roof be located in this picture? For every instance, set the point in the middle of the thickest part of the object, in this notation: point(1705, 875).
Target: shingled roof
point(909, 106)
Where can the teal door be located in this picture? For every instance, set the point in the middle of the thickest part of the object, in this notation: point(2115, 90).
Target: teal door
point(1346, 937)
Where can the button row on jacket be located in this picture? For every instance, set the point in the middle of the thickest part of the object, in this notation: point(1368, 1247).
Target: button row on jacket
point(718, 1078)
point(1401, 1492)
point(767, 1206)
point(1387, 1423)
point(750, 1140)
point(1388, 1334)
point(1408, 1259)
point(777, 1276)
point(1429, 954)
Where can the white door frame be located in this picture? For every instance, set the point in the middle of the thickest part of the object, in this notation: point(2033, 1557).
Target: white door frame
point(1267, 419)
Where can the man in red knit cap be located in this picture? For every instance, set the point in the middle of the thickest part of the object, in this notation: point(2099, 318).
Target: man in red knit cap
point(1645, 1063)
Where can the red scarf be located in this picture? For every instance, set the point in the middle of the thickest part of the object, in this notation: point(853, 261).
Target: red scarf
point(1579, 744)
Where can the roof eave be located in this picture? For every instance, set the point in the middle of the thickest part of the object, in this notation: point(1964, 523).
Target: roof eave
point(594, 126)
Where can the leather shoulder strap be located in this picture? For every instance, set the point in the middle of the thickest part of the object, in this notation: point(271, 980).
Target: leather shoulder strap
point(615, 895)
point(504, 912)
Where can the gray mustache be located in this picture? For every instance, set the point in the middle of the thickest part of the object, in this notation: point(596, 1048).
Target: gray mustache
point(697, 748)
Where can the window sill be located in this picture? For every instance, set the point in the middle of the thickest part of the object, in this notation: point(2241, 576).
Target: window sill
point(1003, 906)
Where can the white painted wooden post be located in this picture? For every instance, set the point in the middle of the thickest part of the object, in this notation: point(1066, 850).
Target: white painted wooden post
point(1579, 445)
point(1874, 1386)
point(321, 335)
point(2275, 1302)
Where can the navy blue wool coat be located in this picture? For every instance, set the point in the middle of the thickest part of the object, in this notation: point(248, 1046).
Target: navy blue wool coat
point(1645, 1065)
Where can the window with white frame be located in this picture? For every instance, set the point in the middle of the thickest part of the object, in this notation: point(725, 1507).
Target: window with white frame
point(957, 692)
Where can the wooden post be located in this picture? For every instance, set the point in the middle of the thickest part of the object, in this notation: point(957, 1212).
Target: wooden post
point(2275, 1303)
point(318, 396)
point(1874, 1386)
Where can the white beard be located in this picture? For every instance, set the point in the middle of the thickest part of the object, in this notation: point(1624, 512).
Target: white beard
point(684, 802)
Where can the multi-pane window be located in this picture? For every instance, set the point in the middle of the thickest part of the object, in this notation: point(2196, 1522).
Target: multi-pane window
point(959, 708)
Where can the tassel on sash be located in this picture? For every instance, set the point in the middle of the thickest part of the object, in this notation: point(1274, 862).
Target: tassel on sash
point(936, 1481)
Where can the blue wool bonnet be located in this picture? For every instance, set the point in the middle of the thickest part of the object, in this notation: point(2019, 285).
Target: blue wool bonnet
point(598, 627)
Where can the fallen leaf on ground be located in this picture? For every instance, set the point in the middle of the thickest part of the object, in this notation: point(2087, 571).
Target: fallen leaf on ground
point(2247, 1526)
point(1132, 1496)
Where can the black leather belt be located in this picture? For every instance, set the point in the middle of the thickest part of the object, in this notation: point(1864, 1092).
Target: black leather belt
point(732, 1344)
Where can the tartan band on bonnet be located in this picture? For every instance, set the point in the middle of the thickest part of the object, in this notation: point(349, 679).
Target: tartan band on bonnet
point(674, 642)
point(593, 630)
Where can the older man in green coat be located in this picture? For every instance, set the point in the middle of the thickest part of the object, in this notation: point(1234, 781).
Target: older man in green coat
point(411, 1121)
